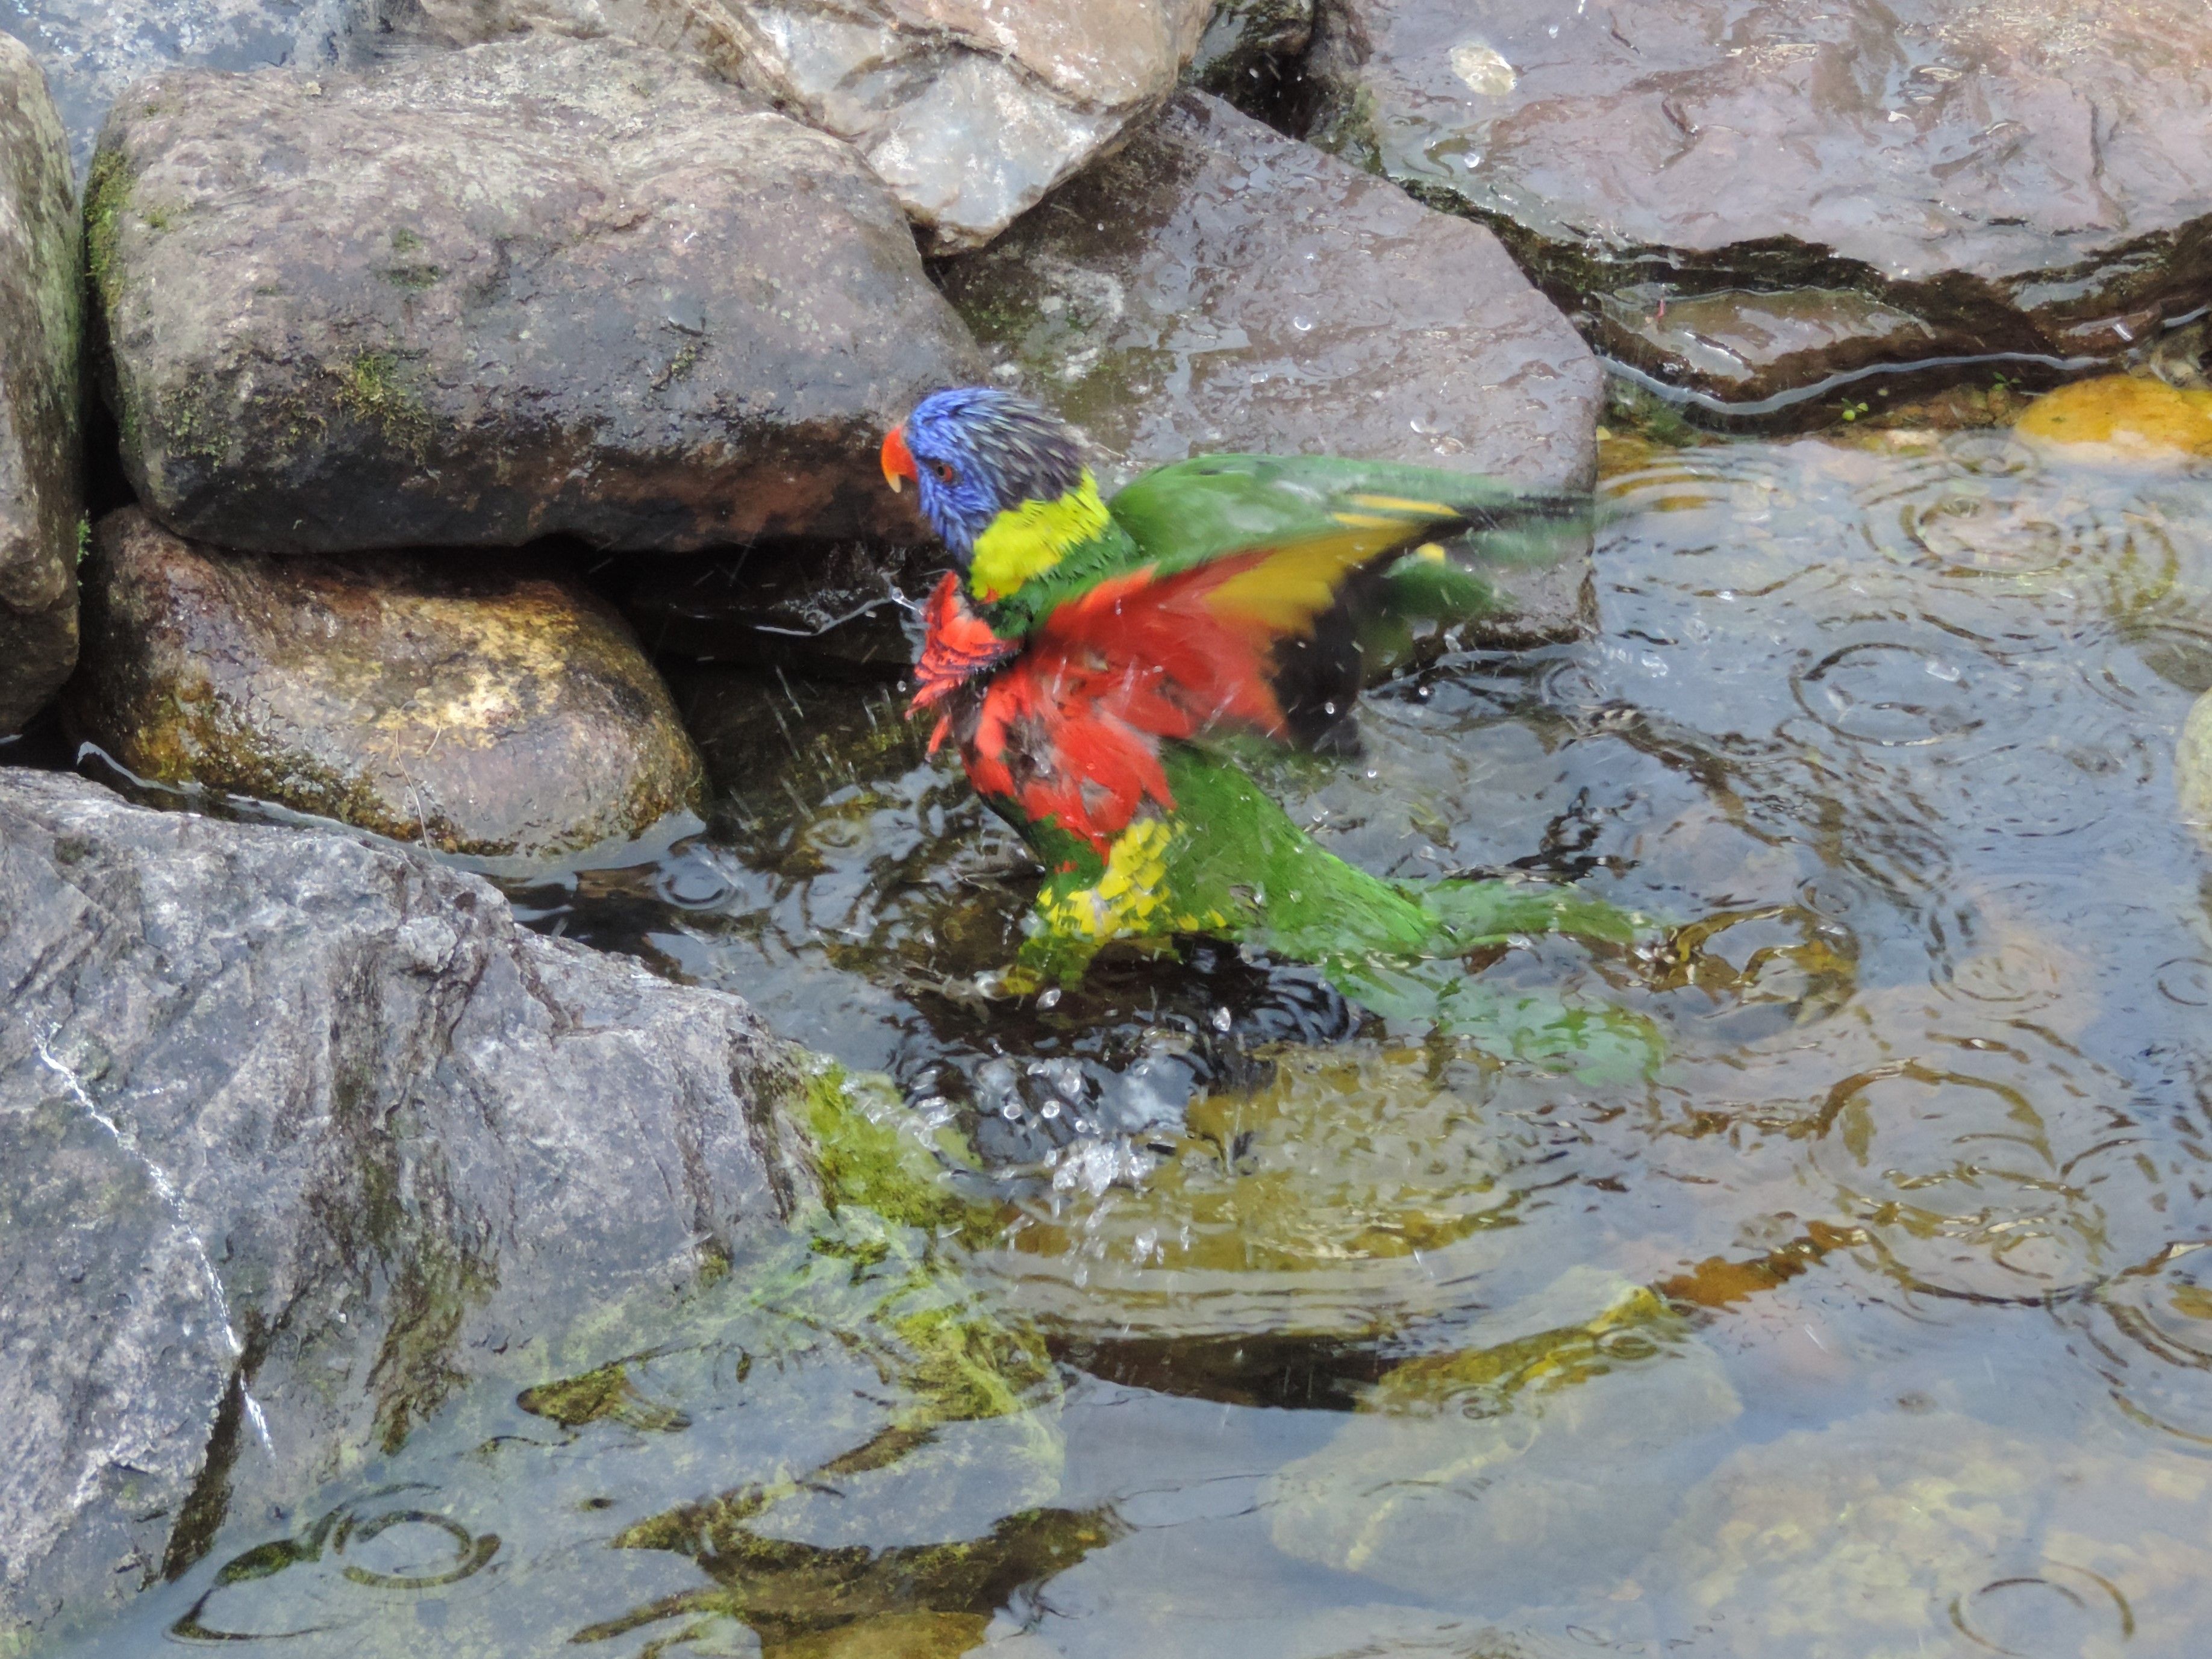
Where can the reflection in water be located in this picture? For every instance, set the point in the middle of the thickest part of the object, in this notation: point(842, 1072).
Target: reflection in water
point(1873, 1321)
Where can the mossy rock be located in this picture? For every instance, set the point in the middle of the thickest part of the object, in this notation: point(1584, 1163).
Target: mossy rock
point(494, 711)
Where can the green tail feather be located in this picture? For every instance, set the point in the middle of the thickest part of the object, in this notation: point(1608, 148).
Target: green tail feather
point(1229, 862)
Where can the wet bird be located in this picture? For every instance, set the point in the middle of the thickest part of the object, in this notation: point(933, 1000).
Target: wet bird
point(1102, 664)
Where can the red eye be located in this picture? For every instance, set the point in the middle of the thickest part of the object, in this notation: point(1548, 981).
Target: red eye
point(943, 470)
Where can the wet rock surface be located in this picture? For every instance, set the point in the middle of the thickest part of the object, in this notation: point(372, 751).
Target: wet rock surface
point(1216, 286)
point(93, 49)
point(301, 1135)
point(1249, 44)
point(1485, 1475)
point(1839, 182)
point(969, 111)
point(41, 441)
point(489, 710)
point(487, 295)
point(1870, 1532)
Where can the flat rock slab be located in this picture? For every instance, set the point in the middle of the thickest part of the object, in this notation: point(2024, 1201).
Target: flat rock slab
point(487, 710)
point(968, 110)
point(1862, 181)
point(298, 1135)
point(486, 295)
point(93, 49)
point(41, 439)
point(1216, 286)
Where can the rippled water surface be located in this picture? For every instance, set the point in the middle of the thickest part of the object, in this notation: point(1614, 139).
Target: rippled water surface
point(1877, 1321)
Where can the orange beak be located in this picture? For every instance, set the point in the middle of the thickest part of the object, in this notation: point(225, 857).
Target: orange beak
point(898, 460)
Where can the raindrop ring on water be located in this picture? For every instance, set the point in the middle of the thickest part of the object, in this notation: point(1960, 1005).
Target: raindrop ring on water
point(2044, 1614)
point(471, 1553)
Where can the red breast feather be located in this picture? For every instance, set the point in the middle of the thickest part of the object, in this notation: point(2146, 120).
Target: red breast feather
point(1070, 728)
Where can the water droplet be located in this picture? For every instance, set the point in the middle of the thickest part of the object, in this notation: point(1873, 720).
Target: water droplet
point(1049, 998)
point(1050, 1110)
point(1301, 322)
point(1222, 1020)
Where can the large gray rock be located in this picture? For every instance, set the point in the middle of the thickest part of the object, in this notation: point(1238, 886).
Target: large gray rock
point(493, 709)
point(298, 1134)
point(486, 295)
point(93, 49)
point(970, 110)
point(1873, 181)
point(41, 439)
point(1216, 286)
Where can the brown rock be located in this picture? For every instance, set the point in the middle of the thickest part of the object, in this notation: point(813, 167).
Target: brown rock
point(482, 296)
point(2018, 177)
point(41, 441)
point(484, 710)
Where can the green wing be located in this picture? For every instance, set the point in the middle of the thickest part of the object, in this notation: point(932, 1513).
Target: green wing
point(1202, 509)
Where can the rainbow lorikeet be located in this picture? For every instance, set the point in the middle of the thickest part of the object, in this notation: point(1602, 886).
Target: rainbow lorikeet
point(1097, 663)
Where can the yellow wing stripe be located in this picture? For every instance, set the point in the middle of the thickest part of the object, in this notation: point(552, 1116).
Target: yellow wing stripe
point(1285, 591)
point(1403, 504)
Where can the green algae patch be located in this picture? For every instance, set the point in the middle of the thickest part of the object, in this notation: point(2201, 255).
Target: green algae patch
point(1608, 1323)
point(869, 1156)
point(806, 1599)
point(106, 194)
point(371, 387)
point(899, 1229)
point(607, 1395)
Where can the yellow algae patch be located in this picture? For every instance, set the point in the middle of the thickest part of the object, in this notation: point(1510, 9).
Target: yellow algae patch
point(1026, 541)
point(2121, 417)
point(1122, 902)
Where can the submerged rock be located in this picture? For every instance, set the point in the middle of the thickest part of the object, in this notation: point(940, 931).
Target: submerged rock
point(298, 1134)
point(2193, 768)
point(969, 112)
point(1860, 1537)
point(41, 442)
point(1216, 286)
point(1833, 184)
point(488, 710)
point(1537, 1462)
point(487, 295)
point(93, 49)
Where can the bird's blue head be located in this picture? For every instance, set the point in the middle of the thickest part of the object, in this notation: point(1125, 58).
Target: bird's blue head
point(1001, 482)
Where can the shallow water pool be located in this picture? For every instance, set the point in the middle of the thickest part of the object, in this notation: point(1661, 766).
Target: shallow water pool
point(1876, 1320)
